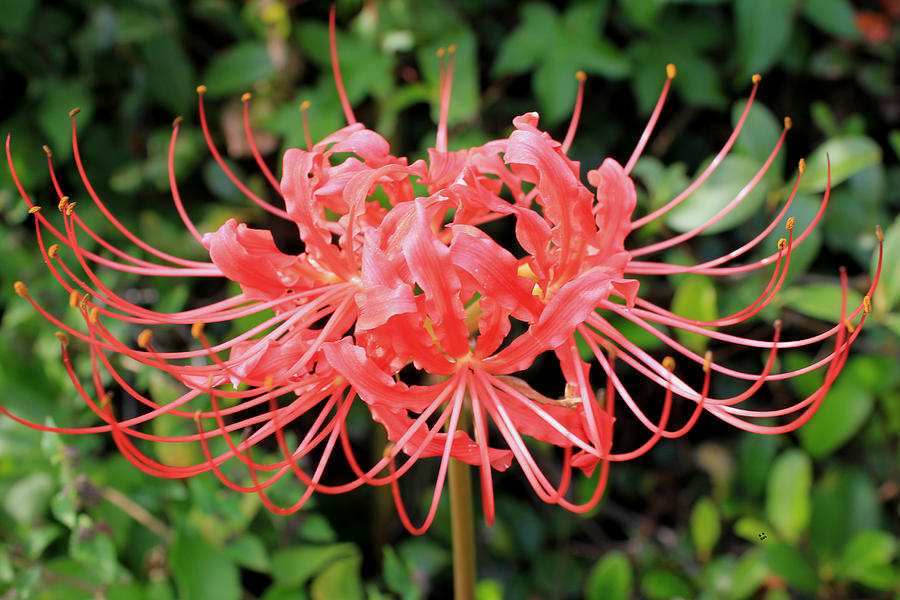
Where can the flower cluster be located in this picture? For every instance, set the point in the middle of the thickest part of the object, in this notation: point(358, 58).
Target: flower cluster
point(403, 301)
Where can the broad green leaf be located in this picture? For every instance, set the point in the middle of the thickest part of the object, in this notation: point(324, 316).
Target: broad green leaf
point(57, 99)
point(643, 13)
point(716, 193)
point(169, 74)
point(790, 564)
point(819, 300)
point(848, 500)
point(836, 17)
point(399, 575)
point(755, 454)
point(759, 134)
point(887, 294)
point(489, 589)
point(340, 579)
point(787, 495)
point(610, 578)
point(521, 49)
point(249, 551)
point(753, 530)
point(659, 584)
point(63, 506)
point(237, 70)
point(705, 527)
point(16, 16)
point(695, 298)
point(849, 154)
point(840, 416)
point(749, 574)
point(293, 567)
point(201, 571)
point(763, 29)
point(94, 548)
point(867, 549)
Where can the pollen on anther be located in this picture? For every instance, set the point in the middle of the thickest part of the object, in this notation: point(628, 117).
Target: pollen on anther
point(62, 203)
point(74, 298)
point(197, 329)
point(440, 52)
point(670, 71)
point(788, 123)
point(802, 165)
point(176, 121)
point(451, 48)
point(879, 233)
point(790, 223)
point(269, 383)
point(144, 338)
point(62, 337)
point(756, 78)
point(707, 361)
point(782, 243)
point(849, 325)
point(668, 364)
point(94, 315)
point(34, 209)
point(21, 289)
point(74, 111)
point(53, 250)
point(69, 208)
point(304, 105)
point(201, 89)
point(777, 324)
point(47, 150)
point(388, 448)
point(867, 304)
point(581, 76)
point(82, 304)
point(246, 96)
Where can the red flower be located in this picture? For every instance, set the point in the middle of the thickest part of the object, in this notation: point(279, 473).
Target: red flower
point(411, 306)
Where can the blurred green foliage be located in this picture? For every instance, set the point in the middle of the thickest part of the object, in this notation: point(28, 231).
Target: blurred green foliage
point(718, 514)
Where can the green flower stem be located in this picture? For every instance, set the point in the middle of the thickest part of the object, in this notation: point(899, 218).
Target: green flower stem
point(463, 524)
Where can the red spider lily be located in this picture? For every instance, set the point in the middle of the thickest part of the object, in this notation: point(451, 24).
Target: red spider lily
point(416, 284)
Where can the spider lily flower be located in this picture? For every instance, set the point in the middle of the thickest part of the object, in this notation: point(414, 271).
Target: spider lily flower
point(411, 307)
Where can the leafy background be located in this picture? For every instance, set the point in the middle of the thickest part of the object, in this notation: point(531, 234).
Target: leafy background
point(717, 514)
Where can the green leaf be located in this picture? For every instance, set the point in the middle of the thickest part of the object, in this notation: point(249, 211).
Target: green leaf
point(840, 416)
point(610, 578)
point(488, 589)
point(249, 551)
point(340, 579)
point(749, 574)
point(723, 185)
point(836, 17)
point(887, 294)
point(63, 506)
point(759, 134)
point(848, 500)
point(293, 567)
point(398, 575)
point(705, 527)
point(819, 300)
point(753, 530)
point(849, 154)
point(643, 13)
point(659, 584)
point(94, 549)
point(755, 454)
point(787, 495)
point(522, 48)
point(169, 74)
point(201, 571)
point(695, 298)
point(57, 99)
point(867, 549)
point(16, 16)
point(763, 29)
point(790, 564)
point(238, 69)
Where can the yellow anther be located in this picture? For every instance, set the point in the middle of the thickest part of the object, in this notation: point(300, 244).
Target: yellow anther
point(62, 203)
point(94, 315)
point(668, 364)
point(70, 207)
point(62, 337)
point(581, 76)
point(850, 327)
point(867, 304)
point(246, 96)
point(777, 324)
point(269, 382)
point(144, 338)
point(74, 111)
point(105, 400)
point(440, 52)
point(304, 105)
point(47, 150)
point(388, 448)
point(201, 89)
point(21, 289)
point(782, 243)
point(74, 298)
point(197, 416)
point(879, 233)
point(176, 121)
point(670, 71)
point(788, 123)
point(707, 361)
point(84, 301)
point(34, 209)
point(197, 329)
point(790, 224)
point(756, 78)
point(451, 48)
point(52, 250)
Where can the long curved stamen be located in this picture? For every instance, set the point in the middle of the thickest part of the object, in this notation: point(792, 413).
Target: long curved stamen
point(576, 113)
point(445, 86)
point(651, 123)
point(248, 133)
point(336, 68)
